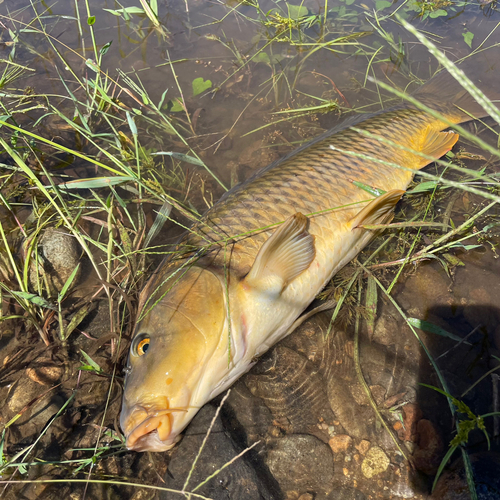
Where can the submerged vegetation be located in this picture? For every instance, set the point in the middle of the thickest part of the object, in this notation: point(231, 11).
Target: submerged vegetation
point(117, 165)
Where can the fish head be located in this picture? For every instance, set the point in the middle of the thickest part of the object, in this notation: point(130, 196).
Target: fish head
point(168, 371)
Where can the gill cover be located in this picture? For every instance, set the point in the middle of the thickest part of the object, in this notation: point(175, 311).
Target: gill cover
point(172, 345)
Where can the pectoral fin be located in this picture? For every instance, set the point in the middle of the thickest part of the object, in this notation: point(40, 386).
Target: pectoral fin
point(287, 253)
point(378, 211)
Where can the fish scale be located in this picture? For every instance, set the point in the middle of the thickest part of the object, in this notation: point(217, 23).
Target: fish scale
point(313, 180)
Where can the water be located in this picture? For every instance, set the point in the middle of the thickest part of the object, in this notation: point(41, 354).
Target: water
point(303, 401)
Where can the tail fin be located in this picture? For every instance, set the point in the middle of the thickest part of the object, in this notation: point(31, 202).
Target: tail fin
point(443, 92)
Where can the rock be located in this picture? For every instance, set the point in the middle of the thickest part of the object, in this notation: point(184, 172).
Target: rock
point(357, 421)
point(411, 415)
point(46, 373)
point(375, 462)
point(363, 446)
point(23, 393)
point(427, 456)
point(340, 443)
point(306, 496)
point(301, 462)
point(59, 254)
point(34, 417)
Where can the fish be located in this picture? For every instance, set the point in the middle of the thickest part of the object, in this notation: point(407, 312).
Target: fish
point(243, 275)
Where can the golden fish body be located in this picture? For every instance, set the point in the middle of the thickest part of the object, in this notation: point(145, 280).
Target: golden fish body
point(259, 257)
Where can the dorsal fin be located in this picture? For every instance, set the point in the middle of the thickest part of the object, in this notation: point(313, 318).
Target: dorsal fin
point(288, 252)
point(379, 210)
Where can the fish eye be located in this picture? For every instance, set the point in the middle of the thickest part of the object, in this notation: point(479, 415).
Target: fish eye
point(140, 345)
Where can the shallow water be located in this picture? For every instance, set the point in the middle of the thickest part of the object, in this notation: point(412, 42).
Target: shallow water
point(319, 437)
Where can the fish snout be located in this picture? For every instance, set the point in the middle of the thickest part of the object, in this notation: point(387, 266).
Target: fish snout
point(148, 429)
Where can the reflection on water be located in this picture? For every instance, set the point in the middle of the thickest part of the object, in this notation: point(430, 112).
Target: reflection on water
point(240, 85)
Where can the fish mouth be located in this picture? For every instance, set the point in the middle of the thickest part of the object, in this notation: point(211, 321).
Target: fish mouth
point(150, 432)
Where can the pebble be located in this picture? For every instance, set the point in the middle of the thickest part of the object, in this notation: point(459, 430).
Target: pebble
point(375, 462)
point(61, 254)
point(45, 375)
point(411, 415)
point(301, 462)
point(340, 443)
point(363, 446)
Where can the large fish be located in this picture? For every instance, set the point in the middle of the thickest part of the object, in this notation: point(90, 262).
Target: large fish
point(254, 262)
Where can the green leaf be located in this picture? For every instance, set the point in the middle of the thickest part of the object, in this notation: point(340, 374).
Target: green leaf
point(382, 4)
point(160, 104)
point(423, 186)
point(161, 218)
point(114, 12)
point(131, 124)
point(34, 299)
point(442, 465)
point(91, 362)
point(438, 13)
point(68, 283)
point(459, 244)
point(181, 156)
point(128, 10)
point(426, 326)
point(468, 37)
point(297, 11)
point(91, 20)
point(95, 183)
point(175, 105)
point(154, 7)
point(200, 85)
point(469, 474)
point(77, 318)
point(92, 65)
point(105, 48)
point(490, 226)
point(262, 57)
point(453, 260)
point(369, 189)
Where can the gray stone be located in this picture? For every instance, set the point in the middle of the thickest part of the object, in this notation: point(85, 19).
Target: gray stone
point(301, 462)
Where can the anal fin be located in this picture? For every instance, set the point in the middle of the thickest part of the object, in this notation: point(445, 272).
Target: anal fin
point(287, 253)
point(379, 210)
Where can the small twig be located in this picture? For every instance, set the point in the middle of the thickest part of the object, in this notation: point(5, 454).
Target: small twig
point(459, 343)
point(334, 86)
